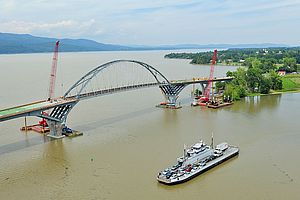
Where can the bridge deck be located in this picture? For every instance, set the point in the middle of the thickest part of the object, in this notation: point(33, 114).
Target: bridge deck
point(23, 108)
point(26, 109)
point(199, 80)
point(39, 106)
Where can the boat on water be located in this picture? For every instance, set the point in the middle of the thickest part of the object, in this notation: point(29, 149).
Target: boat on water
point(196, 160)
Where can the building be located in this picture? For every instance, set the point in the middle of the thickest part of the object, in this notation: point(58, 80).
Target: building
point(281, 72)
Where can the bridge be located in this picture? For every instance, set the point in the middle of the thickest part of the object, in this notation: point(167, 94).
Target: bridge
point(109, 78)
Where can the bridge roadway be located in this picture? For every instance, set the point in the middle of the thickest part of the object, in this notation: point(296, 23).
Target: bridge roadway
point(35, 108)
point(31, 108)
point(199, 80)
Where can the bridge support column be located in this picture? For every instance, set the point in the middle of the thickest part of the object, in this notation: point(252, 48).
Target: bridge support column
point(203, 87)
point(171, 99)
point(55, 129)
point(57, 119)
point(171, 92)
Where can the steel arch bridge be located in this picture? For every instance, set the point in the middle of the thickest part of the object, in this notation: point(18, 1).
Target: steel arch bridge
point(101, 77)
point(78, 88)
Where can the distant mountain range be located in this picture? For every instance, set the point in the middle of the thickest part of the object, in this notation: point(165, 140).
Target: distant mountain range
point(25, 43)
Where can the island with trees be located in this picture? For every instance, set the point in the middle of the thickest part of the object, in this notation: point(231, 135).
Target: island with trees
point(258, 71)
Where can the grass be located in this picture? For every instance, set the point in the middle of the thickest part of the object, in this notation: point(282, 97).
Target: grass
point(288, 84)
point(291, 82)
point(253, 94)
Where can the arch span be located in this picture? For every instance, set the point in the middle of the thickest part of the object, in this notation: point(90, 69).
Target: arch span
point(82, 83)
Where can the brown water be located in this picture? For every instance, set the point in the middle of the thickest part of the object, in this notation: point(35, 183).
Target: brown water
point(127, 140)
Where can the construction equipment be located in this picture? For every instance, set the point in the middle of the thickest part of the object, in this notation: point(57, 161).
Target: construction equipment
point(42, 126)
point(43, 122)
point(206, 97)
point(53, 72)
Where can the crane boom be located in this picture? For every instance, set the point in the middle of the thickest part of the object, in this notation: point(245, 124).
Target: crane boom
point(53, 72)
point(211, 76)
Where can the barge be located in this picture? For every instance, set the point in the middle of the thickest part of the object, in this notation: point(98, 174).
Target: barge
point(196, 160)
point(168, 105)
point(219, 105)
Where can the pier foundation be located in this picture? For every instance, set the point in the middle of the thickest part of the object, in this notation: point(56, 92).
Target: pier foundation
point(55, 129)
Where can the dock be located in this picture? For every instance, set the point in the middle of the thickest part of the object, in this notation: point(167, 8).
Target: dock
point(36, 127)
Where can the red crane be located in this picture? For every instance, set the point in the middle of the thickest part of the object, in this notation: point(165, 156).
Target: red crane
point(211, 76)
point(43, 122)
point(53, 72)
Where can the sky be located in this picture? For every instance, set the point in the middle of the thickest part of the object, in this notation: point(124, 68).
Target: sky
point(156, 22)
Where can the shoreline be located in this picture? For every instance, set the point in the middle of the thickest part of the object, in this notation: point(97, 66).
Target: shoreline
point(221, 65)
point(275, 93)
point(208, 64)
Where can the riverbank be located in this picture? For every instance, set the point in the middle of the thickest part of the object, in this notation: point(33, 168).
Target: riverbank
point(235, 64)
point(274, 93)
point(290, 84)
point(218, 64)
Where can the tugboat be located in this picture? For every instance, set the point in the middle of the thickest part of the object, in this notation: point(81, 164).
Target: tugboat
point(196, 160)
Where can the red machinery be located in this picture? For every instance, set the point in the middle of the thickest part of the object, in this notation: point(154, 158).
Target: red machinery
point(43, 122)
point(206, 98)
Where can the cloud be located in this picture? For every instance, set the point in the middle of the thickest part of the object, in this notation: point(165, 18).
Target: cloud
point(8, 5)
point(155, 21)
point(29, 27)
point(56, 29)
point(257, 6)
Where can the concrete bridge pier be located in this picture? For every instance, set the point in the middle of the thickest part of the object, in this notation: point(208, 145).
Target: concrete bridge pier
point(55, 129)
point(57, 119)
point(171, 93)
point(171, 99)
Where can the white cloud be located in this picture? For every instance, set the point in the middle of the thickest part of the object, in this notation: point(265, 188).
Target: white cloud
point(29, 27)
point(155, 21)
point(7, 6)
point(64, 28)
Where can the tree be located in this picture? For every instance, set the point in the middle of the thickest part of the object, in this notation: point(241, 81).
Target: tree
point(197, 92)
point(265, 85)
point(242, 92)
point(235, 92)
point(240, 77)
point(220, 85)
point(229, 74)
point(276, 80)
point(248, 62)
point(256, 63)
point(231, 92)
point(267, 65)
point(290, 64)
point(201, 59)
point(253, 78)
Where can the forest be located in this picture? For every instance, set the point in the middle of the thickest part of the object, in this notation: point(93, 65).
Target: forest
point(276, 58)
